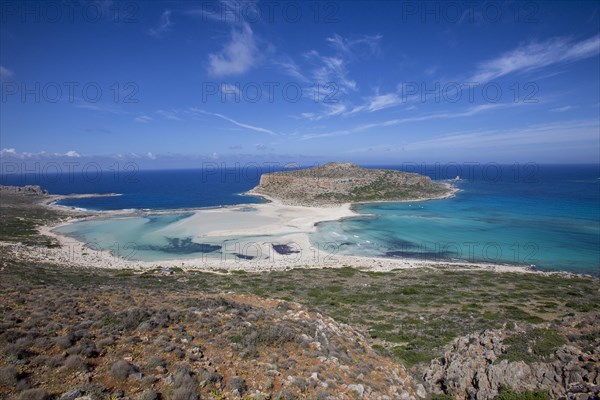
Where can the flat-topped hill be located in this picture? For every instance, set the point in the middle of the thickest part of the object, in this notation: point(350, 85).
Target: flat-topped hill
point(338, 183)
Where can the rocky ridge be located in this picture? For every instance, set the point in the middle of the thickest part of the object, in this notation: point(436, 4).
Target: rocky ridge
point(337, 183)
point(477, 366)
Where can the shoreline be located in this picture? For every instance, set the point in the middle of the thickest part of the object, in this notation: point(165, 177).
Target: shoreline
point(74, 252)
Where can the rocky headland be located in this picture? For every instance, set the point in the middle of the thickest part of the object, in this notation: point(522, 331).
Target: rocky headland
point(338, 183)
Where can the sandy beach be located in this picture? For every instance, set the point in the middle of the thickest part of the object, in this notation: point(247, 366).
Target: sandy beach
point(271, 236)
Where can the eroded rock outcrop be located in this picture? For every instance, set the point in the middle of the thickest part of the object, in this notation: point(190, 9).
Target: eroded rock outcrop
point(478, 365)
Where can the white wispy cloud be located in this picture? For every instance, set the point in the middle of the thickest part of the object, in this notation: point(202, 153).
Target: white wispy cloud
point(330, 110)
point(143, 119)
point(330, 77)
point(8, 151)
point(289, 67)
point(240, 53)
point(561, 109)
point(237, 56)
point(379, 102)
point(11, 152)
point(331, 69)
point(72, 153)
point(525, 58)
point(398, 121)
point(237, 123)
point(535, 55)
point(163, 26)
point(564, 132)
point(169, 114)
point(367, 44)
point(5, 72)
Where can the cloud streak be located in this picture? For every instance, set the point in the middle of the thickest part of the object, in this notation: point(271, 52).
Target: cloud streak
point(398, 121)
point(237, 56)
point(163, 26)
point(5, 72)
point(536, 55)
point(564, 132)
point(237, 123)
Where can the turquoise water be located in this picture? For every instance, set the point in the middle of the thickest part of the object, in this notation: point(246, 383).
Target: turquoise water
point(552, 223)
point(137, 238)
point(157, 237)
point(542, 215)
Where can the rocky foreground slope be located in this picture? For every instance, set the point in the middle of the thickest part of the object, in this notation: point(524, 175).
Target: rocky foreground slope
point(101, 344)
point(337, 183)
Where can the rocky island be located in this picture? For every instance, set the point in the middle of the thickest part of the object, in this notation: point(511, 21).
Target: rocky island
point(338, 183)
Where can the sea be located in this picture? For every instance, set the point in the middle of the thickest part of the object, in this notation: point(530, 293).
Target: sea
point(539, 215)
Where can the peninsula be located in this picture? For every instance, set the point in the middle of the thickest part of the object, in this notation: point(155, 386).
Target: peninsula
point(339, 183)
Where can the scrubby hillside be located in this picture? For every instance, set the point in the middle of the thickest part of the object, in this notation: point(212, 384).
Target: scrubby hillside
point(69, 332)
point(140, 345)
point(336, 183)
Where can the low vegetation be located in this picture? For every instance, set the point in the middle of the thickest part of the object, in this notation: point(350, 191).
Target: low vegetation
point(151, 335)
point(114, 340)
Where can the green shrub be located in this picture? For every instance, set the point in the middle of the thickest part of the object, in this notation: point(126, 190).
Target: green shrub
point(542, 342)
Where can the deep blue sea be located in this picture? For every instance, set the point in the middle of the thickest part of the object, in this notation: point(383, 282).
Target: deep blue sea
point(542, 215)
point(160, 190)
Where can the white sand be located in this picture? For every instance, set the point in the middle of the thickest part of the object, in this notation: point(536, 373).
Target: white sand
point(265, 219)
point(290, 225)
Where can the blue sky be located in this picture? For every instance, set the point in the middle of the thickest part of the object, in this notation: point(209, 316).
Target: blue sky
point(171, 83)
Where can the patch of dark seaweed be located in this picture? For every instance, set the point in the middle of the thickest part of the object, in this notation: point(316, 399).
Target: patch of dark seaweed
point(181, 246)
point(285, 249)
point(244, 256)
